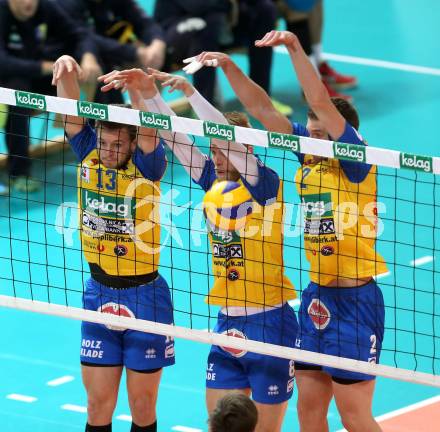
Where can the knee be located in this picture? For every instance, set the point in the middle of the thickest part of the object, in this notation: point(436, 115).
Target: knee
point(143, 409)
point(310, 410)
point(100, 408)
point(349, 421)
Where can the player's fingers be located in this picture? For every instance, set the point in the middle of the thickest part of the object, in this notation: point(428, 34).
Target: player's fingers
point(211, 62)
point(189, 59)
point(193, 67)
point(60, 70)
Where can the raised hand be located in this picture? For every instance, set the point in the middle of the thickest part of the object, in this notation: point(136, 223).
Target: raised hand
point(65, 65)
point(276, 38)
point(175, 82)
point(206, 58)
point(130, 79)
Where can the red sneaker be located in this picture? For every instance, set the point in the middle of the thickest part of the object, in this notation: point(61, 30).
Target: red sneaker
point(333, 93)
point(335, 79)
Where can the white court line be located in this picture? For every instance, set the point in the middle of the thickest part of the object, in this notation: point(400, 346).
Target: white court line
point(179, 428)
point(375, 63)
point(124, 417)
point(423, 260)
point(60, 381)
point(404, 410)
point(21, 398)
point(383, 275)
point(75, 408)
point(294, 302)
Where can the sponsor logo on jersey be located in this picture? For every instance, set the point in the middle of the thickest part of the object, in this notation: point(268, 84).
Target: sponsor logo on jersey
point(107, 229)
point(225, 237)
point(116, 309)
point(120, 250)
point(418, 163)
point(92, 110)
point(227, 251)
point(290, 385)
point(317, 205)
point(220, 131)
point(319, 314)
point(150, 353)
point(351, 152)
point(327, 250)
point(233, 275)
point(234, 351)
point(112, 206)
point(273, 390)
point(30, 100)
point(169, 351)
point(91, 348)
point(85, 174)
point(156, 121)
point(284, 141)
point(319, 226)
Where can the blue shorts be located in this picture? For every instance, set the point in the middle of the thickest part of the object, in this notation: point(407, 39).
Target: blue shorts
point(269, 378)
point(136, 350)
point(343, 322)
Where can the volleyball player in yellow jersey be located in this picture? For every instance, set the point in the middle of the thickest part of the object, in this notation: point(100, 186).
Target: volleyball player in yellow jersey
point(118, 188)
point(342, 310)
point(250, 284)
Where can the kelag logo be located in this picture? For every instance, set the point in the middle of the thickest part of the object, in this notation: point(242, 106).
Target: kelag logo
point(153, 120)
point(214, 130)
point(110, 206)
point(92, 110)
point(30, 100)
point(351, 152)
point(284, 141)
point(418, 163)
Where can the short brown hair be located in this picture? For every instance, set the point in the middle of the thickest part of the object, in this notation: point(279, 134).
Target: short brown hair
point(346, 109)
point(235, 412)
point(132, 130)
point(237, 118)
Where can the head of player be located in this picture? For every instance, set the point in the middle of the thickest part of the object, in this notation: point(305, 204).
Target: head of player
point(234, 412)
point(23, 10)
point(116, 143)
point(223, 166)
point(316, 127)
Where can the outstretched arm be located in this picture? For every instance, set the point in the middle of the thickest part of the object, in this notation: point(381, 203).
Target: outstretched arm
point(244, 161)
point(256, 101)
point(314, 90)
point(180, 144)
point(66, 73)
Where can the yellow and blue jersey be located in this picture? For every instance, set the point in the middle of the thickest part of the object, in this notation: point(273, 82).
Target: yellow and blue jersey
point(119, 208)
point(248, 265)
point(338, 200)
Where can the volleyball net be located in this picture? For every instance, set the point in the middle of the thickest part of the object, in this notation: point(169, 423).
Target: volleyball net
point(43, 268)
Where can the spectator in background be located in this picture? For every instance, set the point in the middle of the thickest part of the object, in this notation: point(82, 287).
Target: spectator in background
point(193, 26)
point(27, 59)
point(235, 412)
point(305, 19)
point(124, 34)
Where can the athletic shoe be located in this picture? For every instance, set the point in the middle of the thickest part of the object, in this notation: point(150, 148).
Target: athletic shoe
point(26, 184)
point(334, 94)
point(335, 79)
point(282, 108)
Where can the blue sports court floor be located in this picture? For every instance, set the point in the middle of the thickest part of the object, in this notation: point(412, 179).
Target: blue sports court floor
point(392, 47)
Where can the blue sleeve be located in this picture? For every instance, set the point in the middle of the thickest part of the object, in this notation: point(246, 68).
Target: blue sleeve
point(84, 142)
point(355, 171)
point(300, 130)
point(208, 175)
point(266, 189)
point(151, 165)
